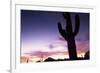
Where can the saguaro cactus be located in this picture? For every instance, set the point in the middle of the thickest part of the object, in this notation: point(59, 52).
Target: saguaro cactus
point(69, 35)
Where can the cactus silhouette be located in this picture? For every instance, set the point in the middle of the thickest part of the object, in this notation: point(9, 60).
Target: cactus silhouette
point(69, 35)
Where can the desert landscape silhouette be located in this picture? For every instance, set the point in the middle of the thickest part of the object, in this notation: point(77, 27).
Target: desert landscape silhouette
point(54, 36)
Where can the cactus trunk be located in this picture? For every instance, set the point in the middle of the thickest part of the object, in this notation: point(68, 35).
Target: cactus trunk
point(72, 48)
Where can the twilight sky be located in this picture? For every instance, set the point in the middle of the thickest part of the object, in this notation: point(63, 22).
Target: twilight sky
point(40, 35)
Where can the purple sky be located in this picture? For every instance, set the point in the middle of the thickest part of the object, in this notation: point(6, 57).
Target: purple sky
point(39, 31)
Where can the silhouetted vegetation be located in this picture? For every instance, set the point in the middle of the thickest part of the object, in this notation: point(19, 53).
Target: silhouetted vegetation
point(49, 59)
point(87, 55)
point(69, 35)
point(39, 61)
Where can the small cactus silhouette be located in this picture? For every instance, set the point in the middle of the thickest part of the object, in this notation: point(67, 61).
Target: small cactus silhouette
point(87, 55)
point(69, 35)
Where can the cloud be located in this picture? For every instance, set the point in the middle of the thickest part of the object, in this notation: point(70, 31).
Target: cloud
point(46, 54)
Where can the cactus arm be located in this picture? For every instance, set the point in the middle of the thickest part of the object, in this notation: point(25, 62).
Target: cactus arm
point(62, 31)
point(77, 25)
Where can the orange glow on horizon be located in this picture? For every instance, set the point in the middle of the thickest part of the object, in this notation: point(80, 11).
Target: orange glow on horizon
point(34, 59)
